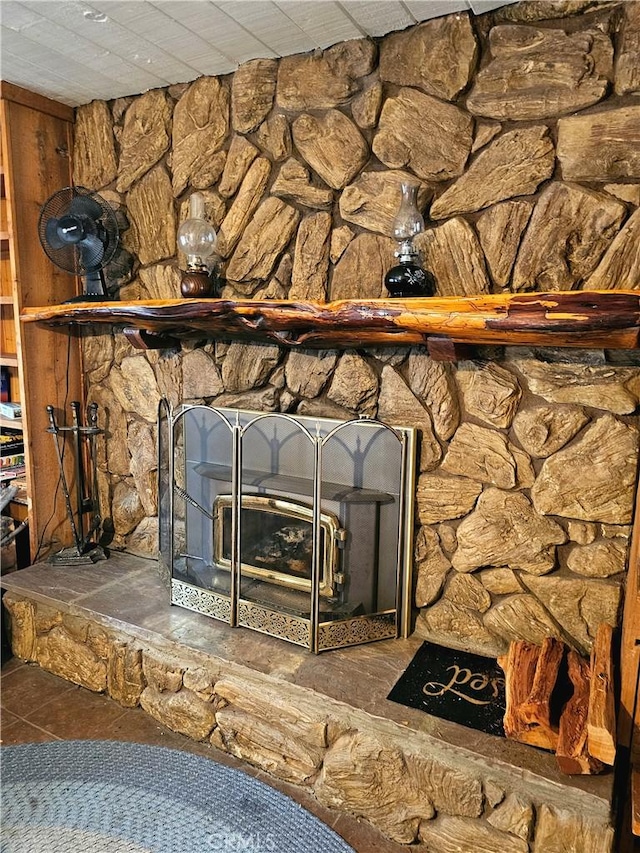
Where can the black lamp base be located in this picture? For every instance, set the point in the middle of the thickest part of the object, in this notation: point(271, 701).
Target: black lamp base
point(407, 279)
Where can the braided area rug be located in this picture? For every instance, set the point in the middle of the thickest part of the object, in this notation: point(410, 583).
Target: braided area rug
point(110, 797)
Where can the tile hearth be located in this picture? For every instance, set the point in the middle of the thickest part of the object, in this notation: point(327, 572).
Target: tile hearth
point(120, 607)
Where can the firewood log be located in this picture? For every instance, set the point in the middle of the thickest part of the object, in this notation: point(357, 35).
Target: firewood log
point(530, 677)
point(571, 753)
point(520, 666)
point(601, 720)
point(536, 710)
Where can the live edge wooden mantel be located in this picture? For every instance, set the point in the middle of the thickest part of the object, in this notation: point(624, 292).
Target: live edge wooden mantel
point(591, 319)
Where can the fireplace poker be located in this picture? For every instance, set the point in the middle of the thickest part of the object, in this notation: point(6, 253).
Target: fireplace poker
point(55, 432)
point(194, 503)
point(77, 453)
point(93, 502)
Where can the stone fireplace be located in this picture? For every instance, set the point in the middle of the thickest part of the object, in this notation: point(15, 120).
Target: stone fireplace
point(527, 469)
point(527, 458)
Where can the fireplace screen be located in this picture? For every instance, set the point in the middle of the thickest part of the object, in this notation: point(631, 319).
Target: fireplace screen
point(297, 527)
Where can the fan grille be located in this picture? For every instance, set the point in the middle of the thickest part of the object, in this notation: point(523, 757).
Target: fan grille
point(77, 209)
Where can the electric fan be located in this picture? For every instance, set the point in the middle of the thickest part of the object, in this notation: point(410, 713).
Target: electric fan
point(79, 232)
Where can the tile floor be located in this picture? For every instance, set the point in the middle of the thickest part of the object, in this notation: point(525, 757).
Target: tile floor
point(36, 706)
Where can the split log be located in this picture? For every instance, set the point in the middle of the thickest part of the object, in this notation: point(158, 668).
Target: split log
point(601, 721)
point(530, 677)
point(519, 666)
point(536, 710)
point(572, 753)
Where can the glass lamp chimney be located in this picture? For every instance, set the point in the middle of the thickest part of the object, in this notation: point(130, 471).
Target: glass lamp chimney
point(408, 222)
point(408, 278)
point(196, 237)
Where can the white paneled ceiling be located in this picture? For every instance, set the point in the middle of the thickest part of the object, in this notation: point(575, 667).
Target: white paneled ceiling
point(75, 51)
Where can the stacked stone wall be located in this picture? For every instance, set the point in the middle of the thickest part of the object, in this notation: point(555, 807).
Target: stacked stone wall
point(522, 129)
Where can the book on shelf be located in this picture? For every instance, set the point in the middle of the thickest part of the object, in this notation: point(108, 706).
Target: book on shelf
point(11, 442)
point(14, 461)
point(11, 410)
point(11, 471)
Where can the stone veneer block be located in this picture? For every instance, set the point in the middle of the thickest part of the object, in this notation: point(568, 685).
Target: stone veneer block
point(264, 238)
point(452, 834)
point(419, 132)
point(274, 136)
point(505, 530)
point(324, 80)
point(398, 404)
point(559, 831)
point(135, 388)
point(627, 64)
point(437, 56)
point(146, 137)
point(432, 382)
point(311, 265)
point(431, 566)
point(359, 274)
point(500, 229)
point(244, 206)
point(252, 92)
point(489, 391)
point(152, 237)
point(373, 199)
point(452, 252)
point(294, 182)
point(537, 73)
point(619, 268)
point(602, 146)
point(200, 127)
point(94, 151)
point(481, 454)
point(332, 145)
point(514, 164)
point(570, 229)
point(440, 497)
point(543, 430)
point(240, 156)
point(603, 489)
point(613, 389)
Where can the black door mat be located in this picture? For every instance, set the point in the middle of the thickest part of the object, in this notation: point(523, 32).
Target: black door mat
point(454, 685)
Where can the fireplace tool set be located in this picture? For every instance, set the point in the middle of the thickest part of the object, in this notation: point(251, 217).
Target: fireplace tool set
point(85, 550)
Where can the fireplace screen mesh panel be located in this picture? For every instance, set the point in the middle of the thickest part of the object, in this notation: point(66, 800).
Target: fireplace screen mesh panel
point(297, 527)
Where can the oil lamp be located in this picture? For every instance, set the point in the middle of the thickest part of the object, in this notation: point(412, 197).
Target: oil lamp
point(408, 278)
point(197, 239)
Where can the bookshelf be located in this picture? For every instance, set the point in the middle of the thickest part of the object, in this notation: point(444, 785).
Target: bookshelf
point(40, 367)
